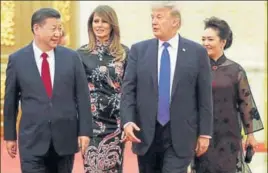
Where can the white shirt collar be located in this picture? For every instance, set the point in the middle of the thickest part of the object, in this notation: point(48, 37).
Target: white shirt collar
point(38, 52)
point(173, 42)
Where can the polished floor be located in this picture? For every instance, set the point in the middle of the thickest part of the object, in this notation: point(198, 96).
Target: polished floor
point(8, 165)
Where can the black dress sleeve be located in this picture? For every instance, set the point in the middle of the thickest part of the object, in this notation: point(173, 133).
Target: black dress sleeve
point(248, 110)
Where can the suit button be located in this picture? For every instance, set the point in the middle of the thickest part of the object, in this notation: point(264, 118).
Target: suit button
point(49, 121)
point(50, 104)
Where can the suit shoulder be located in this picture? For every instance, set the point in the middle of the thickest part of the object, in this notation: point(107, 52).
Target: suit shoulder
point(144, 42)
point(193, 44)
point(83, 52)
point(126, 48)
point(68, 54)
point(20, 52)
point(83, 48)
point(66, 50)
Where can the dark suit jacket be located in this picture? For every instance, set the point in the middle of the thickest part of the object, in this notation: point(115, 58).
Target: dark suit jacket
point(59, 119)
point(191, 99)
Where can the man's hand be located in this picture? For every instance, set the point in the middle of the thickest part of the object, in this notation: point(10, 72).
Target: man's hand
point(83, 143)
point(201, 146)
point(11, 148)
point(128, 134)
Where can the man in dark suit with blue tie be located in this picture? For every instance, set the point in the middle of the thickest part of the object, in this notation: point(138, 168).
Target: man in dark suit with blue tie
point(166, 103)
point(51, 85)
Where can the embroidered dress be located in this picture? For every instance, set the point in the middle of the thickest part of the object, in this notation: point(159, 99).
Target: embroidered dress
point(104, 75)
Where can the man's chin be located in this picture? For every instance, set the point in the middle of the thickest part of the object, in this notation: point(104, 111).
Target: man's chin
point(54, 45)
point(159, 36)
point(156, 34)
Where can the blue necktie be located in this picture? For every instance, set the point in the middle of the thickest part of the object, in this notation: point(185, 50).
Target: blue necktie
point(164, 87)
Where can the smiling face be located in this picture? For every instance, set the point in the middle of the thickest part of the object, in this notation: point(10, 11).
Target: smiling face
point(101, 28)
point(212, 42)
point(48, 33)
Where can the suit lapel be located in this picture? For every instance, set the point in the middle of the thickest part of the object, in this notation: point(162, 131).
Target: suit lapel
point(34, 69)
point(36, 74)
point(153, 60)
point(181, 55)
point(57, 69)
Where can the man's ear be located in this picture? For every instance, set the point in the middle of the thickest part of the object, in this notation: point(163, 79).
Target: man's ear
point(176, 22)
point(36, 29)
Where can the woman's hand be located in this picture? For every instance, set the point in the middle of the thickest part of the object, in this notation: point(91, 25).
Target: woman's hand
point(251, 141)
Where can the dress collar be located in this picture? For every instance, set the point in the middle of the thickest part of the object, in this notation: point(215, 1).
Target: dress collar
point(219, 61)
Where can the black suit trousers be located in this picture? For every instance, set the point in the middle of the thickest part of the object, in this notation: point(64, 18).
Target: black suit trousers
point(51, 162)
point(161, 157)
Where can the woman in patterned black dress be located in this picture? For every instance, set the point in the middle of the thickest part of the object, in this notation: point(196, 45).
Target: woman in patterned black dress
point(104, 59)
point(234, 106)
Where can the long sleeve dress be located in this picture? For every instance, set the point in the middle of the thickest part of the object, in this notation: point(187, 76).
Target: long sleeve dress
point(104, 75)
point(234, 109)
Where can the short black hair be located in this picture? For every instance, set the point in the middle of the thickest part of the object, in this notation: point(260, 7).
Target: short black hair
point(42, 14)
point(224, 30)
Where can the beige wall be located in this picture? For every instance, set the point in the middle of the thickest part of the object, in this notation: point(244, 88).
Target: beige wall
point(247, 20)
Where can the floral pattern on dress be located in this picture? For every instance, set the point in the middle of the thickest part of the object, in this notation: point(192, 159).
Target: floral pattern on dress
point(104, 75)
point(105, 156)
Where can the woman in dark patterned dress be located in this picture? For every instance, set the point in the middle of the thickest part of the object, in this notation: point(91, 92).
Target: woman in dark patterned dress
point(234, 106)
point(104, 60)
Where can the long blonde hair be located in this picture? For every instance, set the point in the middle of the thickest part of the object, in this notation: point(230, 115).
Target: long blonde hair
point(107, 14)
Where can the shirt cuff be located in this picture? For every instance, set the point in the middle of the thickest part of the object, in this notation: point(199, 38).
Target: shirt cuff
point(206, 136)
point(127, 124)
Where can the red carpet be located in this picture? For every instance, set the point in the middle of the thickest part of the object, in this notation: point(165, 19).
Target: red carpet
point(9, 165)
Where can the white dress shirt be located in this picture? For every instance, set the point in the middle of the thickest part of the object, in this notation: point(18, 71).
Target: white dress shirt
point(173, 53)
point(51, 61)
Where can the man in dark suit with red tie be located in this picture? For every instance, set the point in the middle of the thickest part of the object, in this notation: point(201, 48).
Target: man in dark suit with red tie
point(166, 103)
point(51, 85)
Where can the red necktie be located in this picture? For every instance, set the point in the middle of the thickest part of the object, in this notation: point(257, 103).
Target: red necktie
point(45, 75)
